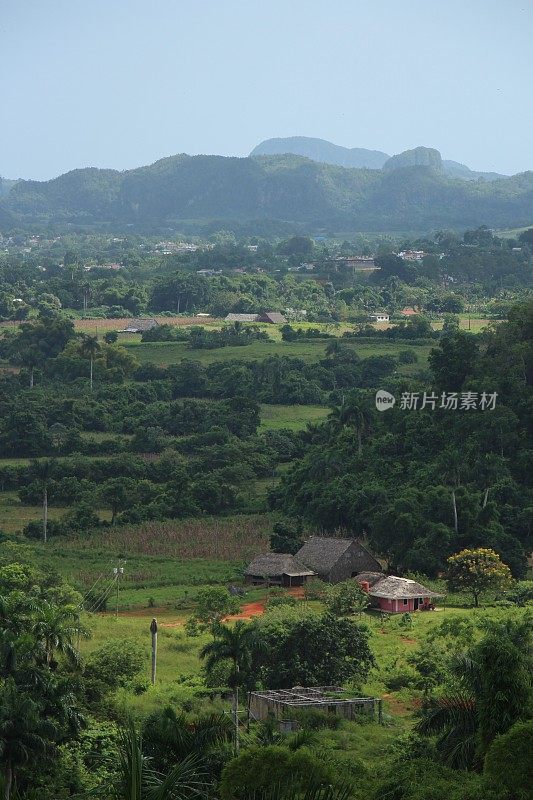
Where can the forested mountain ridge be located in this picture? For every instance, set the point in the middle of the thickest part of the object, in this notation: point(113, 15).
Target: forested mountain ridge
point(288, 188)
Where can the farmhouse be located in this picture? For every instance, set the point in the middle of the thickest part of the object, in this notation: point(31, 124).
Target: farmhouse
point(140, 325)
point(277, 569)
point(397, 595)
point(336, 560)
point(380, 316)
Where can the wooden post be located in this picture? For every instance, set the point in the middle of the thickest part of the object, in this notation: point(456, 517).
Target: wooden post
point(380, 711)
point(153, 631)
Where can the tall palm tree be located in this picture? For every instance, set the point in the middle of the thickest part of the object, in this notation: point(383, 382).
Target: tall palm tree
point(138, 781)
point(57, 627)
point(352, 413)
point(89, 348)
point(42, 471)
point(23, 733)
point(30, 358)
point(236, 645)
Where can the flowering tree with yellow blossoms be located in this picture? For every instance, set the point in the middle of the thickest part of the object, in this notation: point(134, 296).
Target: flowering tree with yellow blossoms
point(477, 571)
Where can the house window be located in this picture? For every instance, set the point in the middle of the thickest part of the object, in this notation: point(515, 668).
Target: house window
point(405, 602)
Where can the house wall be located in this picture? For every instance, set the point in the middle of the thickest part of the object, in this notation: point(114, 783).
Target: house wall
point(398, 606)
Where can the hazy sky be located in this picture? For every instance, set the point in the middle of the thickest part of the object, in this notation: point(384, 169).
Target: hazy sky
point(121, 83)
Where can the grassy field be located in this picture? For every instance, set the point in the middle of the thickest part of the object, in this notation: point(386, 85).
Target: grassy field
point(165, 353)
point(180, 668)
point(163, 560)
point(295, 418)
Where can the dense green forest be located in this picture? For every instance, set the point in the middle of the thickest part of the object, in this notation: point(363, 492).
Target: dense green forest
point(284, 188)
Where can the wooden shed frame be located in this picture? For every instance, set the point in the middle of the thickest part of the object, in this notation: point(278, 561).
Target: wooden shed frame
point(281, 703)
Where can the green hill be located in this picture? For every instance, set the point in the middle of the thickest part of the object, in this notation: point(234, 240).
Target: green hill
point(283, 188)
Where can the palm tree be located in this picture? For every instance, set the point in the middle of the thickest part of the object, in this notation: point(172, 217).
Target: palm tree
point(138, 781)
point(42, 471)
point(57, 627)
point(352, 413)
point(89, 348)
point(23, 733)
point(30, 358)
point(236, 645)
point(171, 736)
point(493, 693)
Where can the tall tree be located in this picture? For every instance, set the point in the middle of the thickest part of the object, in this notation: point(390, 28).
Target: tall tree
point(23, 733)
point(236, 646)
point(57, 627)
point(90, 347)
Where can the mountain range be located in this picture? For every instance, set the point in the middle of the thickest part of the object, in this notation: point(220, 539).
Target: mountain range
point(412, 191)
point(358, 157)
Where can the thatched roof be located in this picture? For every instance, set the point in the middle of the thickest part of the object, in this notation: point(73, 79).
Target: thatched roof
point(369, 577)
point(241, 317)
point(273, 564)
point(394, 588)
point(321, 553)
point(273, 316)
point(135, 325)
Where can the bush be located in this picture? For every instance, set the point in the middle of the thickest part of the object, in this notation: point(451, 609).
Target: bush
point(34, 529)
point(508, 763)
point(313, 720)
point(116, 663)
point(260, 768)
point(407, 357)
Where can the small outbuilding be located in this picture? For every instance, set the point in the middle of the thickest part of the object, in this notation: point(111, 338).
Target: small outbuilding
point(284, 704)
point(241, 318)
point(277, 569)
point(336, 560)
point(140, 325)
point(396, 595)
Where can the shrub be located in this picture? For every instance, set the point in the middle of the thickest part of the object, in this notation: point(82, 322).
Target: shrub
point(116, 663)
point(407, 357)
point(259, 768)
point(508, 763)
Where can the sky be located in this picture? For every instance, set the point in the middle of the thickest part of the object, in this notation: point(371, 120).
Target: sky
point(122, 83)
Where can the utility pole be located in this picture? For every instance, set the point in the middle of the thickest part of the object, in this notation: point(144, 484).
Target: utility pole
point(117, 571)
point(153, 631)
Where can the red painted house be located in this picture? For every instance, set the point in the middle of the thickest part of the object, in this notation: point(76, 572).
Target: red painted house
point(397, 595)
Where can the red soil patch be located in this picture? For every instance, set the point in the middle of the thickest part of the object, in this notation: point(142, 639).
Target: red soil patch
point(248, 611)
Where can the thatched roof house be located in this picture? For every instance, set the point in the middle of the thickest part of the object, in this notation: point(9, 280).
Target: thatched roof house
point(336, 560)
point(396, 594)
point(277, 569)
